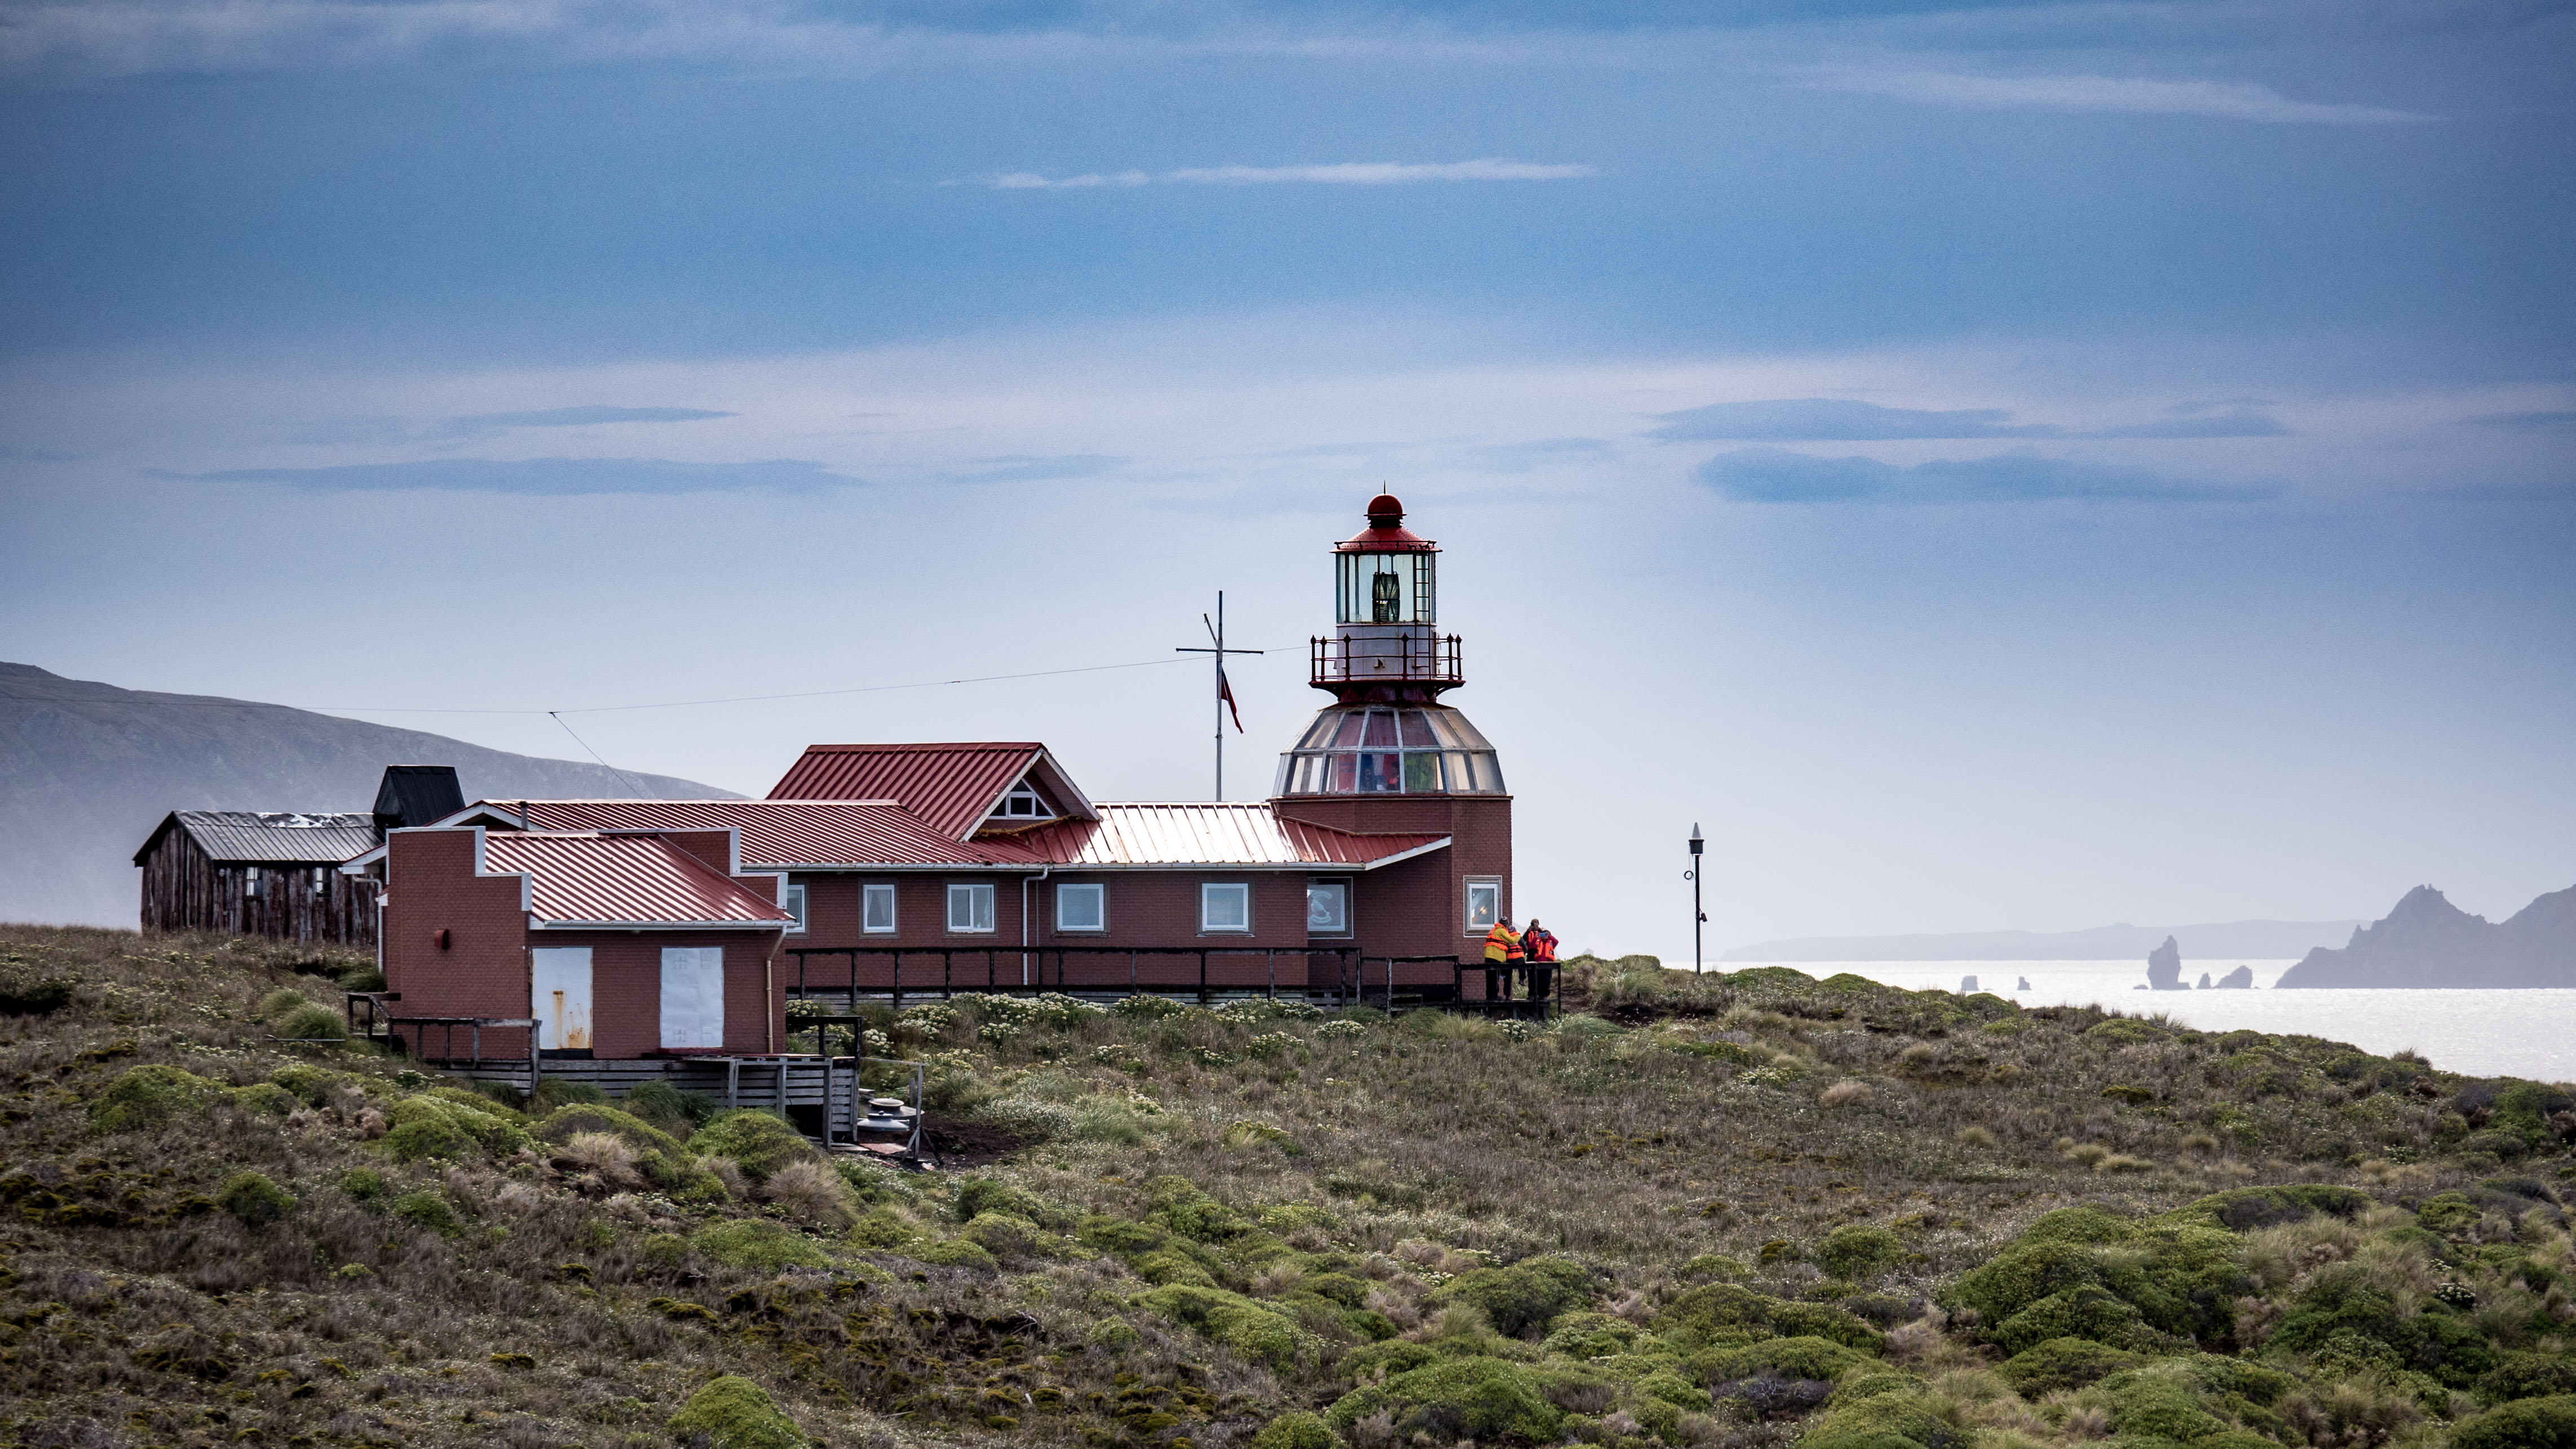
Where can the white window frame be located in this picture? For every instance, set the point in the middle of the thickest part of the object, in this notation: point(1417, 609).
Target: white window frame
point(1098, 893)
point(1212, 890)
point(1023, 802)
point(871, 892)
point(1340, 883)
point(794, 905)
point(971, 892)
point(1484, 885)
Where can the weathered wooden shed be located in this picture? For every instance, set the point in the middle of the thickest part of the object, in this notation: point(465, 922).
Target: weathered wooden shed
point(259, 873)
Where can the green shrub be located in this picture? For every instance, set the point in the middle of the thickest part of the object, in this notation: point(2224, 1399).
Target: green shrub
point(1857, 1251)
point(735, 1413)
point(2062, 1363)
point(449, 1122)
point(267, 1098)
point(666, 1250)
point(362, 978)
point(2524, 1375)
point(557, 1092)
point(2245, 1209)
point(979, 1195)
point(1882, 1411)
point(1716, 1265)
point(309, 1083)
point(27, 992)
point(277, 1003)
point(429, 1208)
point(251, 1197)
point(1521, 1299)
point(748, 1243)
point(669, 1108)
point(362, 1184)
point(1235, 1321)
point(953, 1253)
point(559, 1125)
point(1468, 1398)
point(310, 1023)
point(1726, 1313)
point(760, 1142)
point(2548, 1423)
point(1003, 1235)
point(1179, 1205)
point(2155, 1402)
point(1297, 1431)
point(882, 1228)
point(150, 1096)
point(2085, 1311)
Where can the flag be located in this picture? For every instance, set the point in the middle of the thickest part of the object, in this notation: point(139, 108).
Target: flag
point(1225, 692)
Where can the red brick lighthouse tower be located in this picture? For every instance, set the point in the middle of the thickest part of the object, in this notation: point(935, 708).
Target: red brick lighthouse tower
point(1387, 756)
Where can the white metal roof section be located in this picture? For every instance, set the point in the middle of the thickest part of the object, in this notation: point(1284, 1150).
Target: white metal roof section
point(281, 836)
point(1238, 833)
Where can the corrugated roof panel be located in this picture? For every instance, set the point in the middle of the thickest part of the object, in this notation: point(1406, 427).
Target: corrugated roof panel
point(785, 832)
point(623, 879)
point(949, 786)
point(1232, 833)
point(283, 836)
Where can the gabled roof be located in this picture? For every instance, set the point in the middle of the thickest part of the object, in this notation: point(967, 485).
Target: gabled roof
point(951, 787)
point(865, 834)
point(283, 837)
point(622, 880)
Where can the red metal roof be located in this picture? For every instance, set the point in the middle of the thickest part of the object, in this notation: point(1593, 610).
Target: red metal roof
point(855, 834)
point(1232, 833)
point(949, 786)
point(623, 880)
point(1386, 532)
point(783, 832)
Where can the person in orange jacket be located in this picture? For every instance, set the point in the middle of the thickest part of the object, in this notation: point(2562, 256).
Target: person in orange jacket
point(1502, 953)
point(1538, 944)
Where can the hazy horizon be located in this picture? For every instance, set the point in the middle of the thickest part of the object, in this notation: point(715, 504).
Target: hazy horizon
point(1991, 465)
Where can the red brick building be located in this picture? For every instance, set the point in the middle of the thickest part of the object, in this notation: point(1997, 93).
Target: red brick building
point(1383, 855)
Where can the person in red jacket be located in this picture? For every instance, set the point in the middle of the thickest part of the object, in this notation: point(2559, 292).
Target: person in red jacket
point(1538, 945)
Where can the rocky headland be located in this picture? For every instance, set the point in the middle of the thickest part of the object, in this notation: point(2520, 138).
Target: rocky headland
point(2427, 941)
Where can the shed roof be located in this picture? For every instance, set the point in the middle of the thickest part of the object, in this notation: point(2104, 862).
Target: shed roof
point(859, 834)
point(951, 787)
point(623, 880)
point(284, 837)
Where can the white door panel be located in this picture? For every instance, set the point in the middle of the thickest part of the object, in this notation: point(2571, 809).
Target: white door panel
point(562, 1005)
point(693, 997)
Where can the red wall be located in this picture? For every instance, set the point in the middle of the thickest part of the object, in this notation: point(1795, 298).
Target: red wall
point(430, 886)
point(626, 989)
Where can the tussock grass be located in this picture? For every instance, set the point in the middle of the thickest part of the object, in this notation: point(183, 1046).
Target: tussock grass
point(1731, 1210)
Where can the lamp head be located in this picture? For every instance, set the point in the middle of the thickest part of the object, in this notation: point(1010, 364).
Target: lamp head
point(1697, 845)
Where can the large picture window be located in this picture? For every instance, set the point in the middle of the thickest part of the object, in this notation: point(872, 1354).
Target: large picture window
point(876, 907)
point(1484, 903)
point(1225, 908)
point(970, 909)
point(1328, 908)
point(1081, 906)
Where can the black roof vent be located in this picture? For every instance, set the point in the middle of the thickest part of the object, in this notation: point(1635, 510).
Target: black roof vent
point(417, 795)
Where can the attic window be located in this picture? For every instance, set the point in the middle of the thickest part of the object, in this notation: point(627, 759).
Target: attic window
point(1023, 803)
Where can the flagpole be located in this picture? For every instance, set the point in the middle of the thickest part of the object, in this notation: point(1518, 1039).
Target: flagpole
point(1216, 636)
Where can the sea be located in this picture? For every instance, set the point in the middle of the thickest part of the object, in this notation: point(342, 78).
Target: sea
point(2529, 1034)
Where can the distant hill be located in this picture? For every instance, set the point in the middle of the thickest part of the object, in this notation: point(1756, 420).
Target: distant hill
point(87, 769)
point(2427, 941)
point(2251, 940)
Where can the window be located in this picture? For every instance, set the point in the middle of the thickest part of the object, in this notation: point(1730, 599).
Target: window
point(1081, 906)
point(321, 882)
point(250, 882)
point(1484, 904)
point(1328, 908)
point(970, 909)
point(1023, 803)
point(795, 905)
point(1225, 907)
point(876, 907)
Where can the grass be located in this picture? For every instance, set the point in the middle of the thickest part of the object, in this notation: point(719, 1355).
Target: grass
point(1733, 1211)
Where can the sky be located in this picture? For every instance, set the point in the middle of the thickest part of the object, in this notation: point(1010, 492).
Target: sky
point(2008, 465)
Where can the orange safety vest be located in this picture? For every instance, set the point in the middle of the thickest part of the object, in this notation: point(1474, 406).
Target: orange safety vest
point(1501, 944)
point(1541, 946)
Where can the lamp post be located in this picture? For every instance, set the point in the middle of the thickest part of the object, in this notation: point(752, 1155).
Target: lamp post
point(1699, 918)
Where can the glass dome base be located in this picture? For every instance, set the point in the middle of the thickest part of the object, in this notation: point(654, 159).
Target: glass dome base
point(1362, 749)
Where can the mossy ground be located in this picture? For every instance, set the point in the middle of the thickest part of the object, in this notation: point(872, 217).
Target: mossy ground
point(1643, 1226)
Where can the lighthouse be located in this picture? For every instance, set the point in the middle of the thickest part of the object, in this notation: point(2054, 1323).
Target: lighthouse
point(1388, 756)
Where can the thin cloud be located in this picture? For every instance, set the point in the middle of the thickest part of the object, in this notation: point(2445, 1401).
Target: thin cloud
point(2222, 100)
point(2548, 422)
point(485, 424)
point(1775, 475)
point(1038, 470)
point(558, 477)
point(2241, 423)
point(1841, 420)
point(1345, 173)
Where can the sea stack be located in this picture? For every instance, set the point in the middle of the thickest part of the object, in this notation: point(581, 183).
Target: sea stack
point(2023, 984)
point(2204, 981)
point(2240, 979)
point(1967, 986)
point(2164, 966)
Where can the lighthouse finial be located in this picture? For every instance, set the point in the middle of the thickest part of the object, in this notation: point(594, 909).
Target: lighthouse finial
point(1385, 511)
